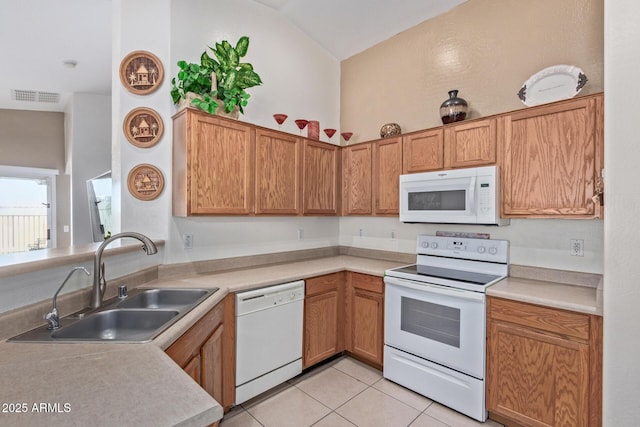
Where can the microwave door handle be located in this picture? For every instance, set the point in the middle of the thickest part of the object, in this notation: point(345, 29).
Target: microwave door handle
point(472, 191)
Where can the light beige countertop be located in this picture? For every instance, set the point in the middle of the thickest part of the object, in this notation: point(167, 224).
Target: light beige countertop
point(581, 292)
point(100, 385)
point(241, 280)
point(138, 384)
point(30, 261)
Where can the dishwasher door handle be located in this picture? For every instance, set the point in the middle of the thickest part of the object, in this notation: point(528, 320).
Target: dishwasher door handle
point(243, 299)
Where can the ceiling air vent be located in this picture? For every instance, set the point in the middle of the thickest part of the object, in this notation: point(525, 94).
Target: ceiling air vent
point(35, 96)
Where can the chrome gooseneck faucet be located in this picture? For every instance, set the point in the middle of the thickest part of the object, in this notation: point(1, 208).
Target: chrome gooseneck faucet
point(52, 318)
point(99, 282)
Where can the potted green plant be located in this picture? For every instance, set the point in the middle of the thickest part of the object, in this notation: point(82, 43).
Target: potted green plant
point(218, 83)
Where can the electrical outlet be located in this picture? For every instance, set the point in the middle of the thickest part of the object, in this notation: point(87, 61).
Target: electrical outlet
point(300, 234)
point(187, 241)
point(577, 247)
point(361, 232)
point(393, 234)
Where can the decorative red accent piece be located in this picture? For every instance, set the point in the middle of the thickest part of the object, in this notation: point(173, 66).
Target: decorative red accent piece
point(313, 130)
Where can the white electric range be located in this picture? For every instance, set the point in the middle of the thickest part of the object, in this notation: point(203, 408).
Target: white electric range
point(435, 327)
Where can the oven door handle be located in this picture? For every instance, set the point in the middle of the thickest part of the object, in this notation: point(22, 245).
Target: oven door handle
point(434, 289)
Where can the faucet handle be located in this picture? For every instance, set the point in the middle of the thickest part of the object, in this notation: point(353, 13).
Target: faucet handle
point(52, 319)
point(122, 291)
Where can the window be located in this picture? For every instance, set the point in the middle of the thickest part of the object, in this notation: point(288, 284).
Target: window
point(26, 209)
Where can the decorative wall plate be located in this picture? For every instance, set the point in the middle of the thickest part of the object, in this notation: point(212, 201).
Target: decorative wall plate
point(552, 84)
point(143, 127)
point(145, 182)
point(141, 72)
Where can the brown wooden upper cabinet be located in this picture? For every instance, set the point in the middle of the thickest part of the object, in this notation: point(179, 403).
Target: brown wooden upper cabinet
point(321, 175)
point(387, 168)
point(453, 146)
point(227, 167)
point(371, 173)
point(552, 158)
point(356, 179)
point(423, 151)
point(278, 173)
point(470, 144)
point(212, 165)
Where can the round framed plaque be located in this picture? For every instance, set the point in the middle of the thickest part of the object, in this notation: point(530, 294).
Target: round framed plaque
point(141, 72)
point(145, 182)
point(143, 127)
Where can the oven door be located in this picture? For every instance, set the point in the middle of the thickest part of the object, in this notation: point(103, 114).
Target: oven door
point(437, 323)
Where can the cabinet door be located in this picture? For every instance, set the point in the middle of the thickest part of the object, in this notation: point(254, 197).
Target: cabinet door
point(387, 168)
point(278, 169)
point(211, 356)
point(193, 368)
point(552, 159)
point(470, 144)
point(364, 323)
point(423, 151)
point(199, 351)
point(367, 330)
point(537, 379)
point(321, 324)
point(356, 161)
point(220, 156)
point(323, 318)
point(320, 178)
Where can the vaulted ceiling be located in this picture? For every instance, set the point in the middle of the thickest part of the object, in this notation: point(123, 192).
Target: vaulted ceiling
point(37, 37)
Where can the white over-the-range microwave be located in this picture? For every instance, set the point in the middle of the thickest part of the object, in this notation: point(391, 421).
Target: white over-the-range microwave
point(458, 196)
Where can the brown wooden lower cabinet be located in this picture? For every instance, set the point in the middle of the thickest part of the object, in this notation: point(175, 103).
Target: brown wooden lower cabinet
point(364, 321)
point(205, 354)
point(544, 365)
point(323, 318)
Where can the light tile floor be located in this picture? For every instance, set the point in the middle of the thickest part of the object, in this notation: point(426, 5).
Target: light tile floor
point(346, 393)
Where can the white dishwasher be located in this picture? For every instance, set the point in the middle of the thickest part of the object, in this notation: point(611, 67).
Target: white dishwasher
point(268, 337)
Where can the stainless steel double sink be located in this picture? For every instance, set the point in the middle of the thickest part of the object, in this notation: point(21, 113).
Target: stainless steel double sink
point(139, 317)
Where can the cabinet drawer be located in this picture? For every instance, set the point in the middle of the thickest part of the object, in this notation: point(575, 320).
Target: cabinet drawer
point(368, 283)
point(546, 319)
point(188, 345)
point(322, 284)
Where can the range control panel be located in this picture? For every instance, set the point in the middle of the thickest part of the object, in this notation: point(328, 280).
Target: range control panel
point(491, 250)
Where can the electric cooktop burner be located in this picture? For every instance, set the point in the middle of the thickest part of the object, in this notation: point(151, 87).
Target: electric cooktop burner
point(473, 278)
point(457, 262)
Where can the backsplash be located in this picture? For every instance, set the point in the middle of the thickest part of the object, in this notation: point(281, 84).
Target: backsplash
point(533, 242)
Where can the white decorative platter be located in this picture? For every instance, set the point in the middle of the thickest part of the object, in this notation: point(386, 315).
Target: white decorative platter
point(552, 84)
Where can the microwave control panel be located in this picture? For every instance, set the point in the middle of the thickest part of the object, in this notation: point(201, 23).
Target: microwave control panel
point(486, 198)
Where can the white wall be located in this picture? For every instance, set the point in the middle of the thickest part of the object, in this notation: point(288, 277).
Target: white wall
point(534, 242)
point(89, 119)
point(135, 30)
point(621, 266)
point(240, 236)
point(300, 79)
